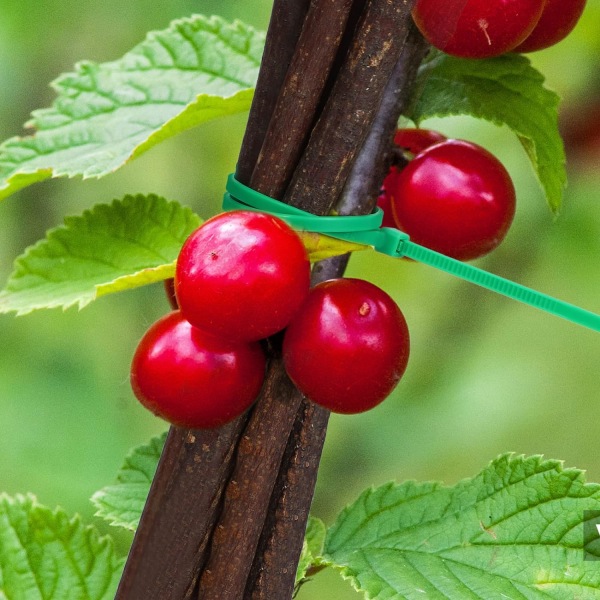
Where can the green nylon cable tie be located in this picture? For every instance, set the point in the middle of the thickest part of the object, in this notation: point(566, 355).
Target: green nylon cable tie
point(367, 230)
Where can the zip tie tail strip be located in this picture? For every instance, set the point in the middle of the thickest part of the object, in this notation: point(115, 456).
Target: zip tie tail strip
point(367, 230)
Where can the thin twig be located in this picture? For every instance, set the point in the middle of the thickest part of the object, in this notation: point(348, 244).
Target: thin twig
point(368, 171)
point(172, 539)
point(286, 24)
point(300, 96)
point(246, 500)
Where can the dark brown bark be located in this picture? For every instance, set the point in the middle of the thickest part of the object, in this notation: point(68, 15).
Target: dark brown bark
point(296, 107)
point(179, 516)
point(284, 30)
point(169, 548)
point(246, 501)
point(368, 171)
point(348, 115)
point(282, 538)
point(249, 489)
point(274, 568)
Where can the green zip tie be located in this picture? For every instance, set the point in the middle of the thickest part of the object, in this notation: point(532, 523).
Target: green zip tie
point(367, 230)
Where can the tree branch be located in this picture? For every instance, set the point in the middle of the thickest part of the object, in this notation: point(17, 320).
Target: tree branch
point(296, 108)
point(368, 171)
point(235, 548)
point(284, 30)
point(351, 108)
point(180, 513)
point(190, 523)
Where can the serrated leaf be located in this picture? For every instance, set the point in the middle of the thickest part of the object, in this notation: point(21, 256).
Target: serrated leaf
point(312, 548)
point(505, 90)
point(121, 504)
point(107, 114)
point(513, 531)
point(319, 246)
point(112, 247)
point(45, 555)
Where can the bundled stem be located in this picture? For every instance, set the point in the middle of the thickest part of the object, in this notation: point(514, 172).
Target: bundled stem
point(299, 98)
point(227, 510)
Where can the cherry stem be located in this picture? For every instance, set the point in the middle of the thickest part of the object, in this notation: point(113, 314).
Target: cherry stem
point(170, 293)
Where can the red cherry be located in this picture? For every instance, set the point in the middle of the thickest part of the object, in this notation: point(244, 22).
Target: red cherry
point(416, 140)
point(347, 347)
point(476, 28)
point(384, 199)
point(557, 21)
point(455, 198)
point(412, 141)
point(242, 275)
point(193, 379)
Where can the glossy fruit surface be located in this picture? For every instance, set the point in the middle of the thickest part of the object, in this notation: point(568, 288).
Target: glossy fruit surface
point(416, 140)
point(476, 28)
point(347, 347)
point(193, 379)
point(455, 198)
point(242, 275)
point(557, 21)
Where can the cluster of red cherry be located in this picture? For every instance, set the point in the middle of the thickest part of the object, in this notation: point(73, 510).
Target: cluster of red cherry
point(486, 28)
point(240, 278)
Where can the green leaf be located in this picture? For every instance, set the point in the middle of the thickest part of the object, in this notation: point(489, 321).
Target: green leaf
point(131, 242)
point(45, 555)
point(122, 504)
point(505, 90)
point(107, 114)
point(513, 531)
point(319, 246)
point(110, 248)
point(312, 548)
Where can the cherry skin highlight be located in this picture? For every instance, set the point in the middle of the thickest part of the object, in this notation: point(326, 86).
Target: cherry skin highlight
point(455, 198)
point(242, 275)
point(476, 28)
point(193, 379)
point(347, 347)
point(557, 21)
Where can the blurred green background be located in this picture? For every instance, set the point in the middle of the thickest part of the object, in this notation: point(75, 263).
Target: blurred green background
point(486, 375)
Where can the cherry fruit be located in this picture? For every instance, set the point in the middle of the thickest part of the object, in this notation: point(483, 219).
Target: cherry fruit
point(412, 141)
point(193, 379)
point(456, 198)
point(242, 275)
point(384, 200)
point(347, 347)
point(557, 21)
point(415, 140)
point(476, 28)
